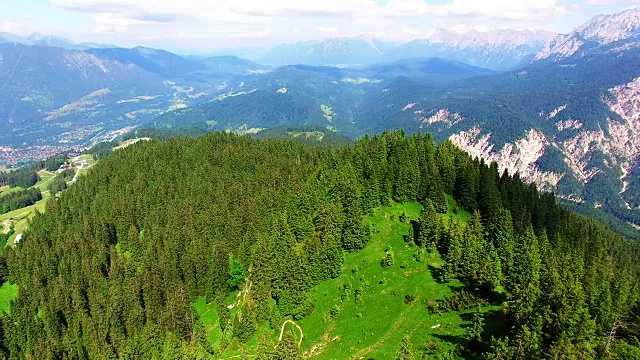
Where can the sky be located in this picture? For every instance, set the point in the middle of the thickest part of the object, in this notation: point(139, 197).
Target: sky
point(204, 26)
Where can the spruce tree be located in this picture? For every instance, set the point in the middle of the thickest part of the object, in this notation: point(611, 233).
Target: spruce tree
point(288, 348)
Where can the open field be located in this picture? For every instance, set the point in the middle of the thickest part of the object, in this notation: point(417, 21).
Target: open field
point(21, 217)
point(374, 315)
point(45, 179)
point(209, 316)
point(8, 292)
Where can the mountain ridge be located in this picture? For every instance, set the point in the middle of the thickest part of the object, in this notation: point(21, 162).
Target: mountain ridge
point(621, 30)
point(476, 48)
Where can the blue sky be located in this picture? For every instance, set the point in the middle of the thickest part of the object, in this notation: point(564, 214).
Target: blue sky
point(201, 25)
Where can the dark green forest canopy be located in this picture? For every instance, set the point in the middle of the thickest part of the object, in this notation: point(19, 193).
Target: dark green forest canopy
point(112, 268)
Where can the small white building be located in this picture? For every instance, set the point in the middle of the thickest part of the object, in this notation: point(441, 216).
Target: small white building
point(18, 238)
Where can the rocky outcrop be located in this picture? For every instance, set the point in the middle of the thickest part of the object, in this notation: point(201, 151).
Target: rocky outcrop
point(441, 116)
point(615, 145)
point(569, 124)
point(517, 157)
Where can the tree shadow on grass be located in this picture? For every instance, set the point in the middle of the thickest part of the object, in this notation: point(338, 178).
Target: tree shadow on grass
point(496, 325)
point(460, 343)
point(437, 274)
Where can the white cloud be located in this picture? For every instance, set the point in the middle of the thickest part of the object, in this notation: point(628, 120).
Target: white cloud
point(344, 17)
point(221, 35)
point(506, 9)
point(110, 23)
point(14, 27)
point(610, 2)
point(251, 8)
point(229, 22)
point(405, 8)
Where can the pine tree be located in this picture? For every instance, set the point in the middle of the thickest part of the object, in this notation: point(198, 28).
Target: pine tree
point(476, 328)
point(500, 233)
point(266, 349)
point(466, 183)
point(523, 282)
point(219, 276)
point(263, 269)
point(288, 348)
point(291, 280)
point(428, 226)
point(489, 199)
point(445, 160)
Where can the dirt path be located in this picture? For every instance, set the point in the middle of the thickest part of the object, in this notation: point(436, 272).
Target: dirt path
point(75, 177)
point(296, 325)
point(6, 226)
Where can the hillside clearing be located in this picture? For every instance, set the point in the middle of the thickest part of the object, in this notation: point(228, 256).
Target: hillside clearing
point(8, 292)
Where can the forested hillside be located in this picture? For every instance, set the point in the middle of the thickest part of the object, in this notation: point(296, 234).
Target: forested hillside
point(165, 238)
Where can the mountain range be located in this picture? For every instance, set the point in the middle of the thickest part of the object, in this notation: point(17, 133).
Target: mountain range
point(47, 40)
point(496, 49)
point(566, 115)
point(567, 121)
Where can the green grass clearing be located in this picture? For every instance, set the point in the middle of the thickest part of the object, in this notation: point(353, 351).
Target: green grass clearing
point(373, 325)
point(208, 314)
point(327, 112)
point(86, 157)
point(45, 178)
point(21, 217)
point(455, 210)
point(317, 135)
point(8, 292)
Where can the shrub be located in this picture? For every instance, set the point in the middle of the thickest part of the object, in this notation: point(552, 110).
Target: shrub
point(335, 311)
point(387, 260)
point(358, 296)
point(432, 306)
point(462, 300)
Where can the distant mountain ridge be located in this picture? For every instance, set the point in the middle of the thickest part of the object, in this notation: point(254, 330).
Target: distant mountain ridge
point(48, 40)
point(496, 49)
point(363, 50)
point(617, 32)
point(53, 98)
point(568, 122)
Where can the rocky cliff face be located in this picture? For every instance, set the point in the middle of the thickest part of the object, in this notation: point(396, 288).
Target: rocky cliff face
point(520, 156)
point(613, 148)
